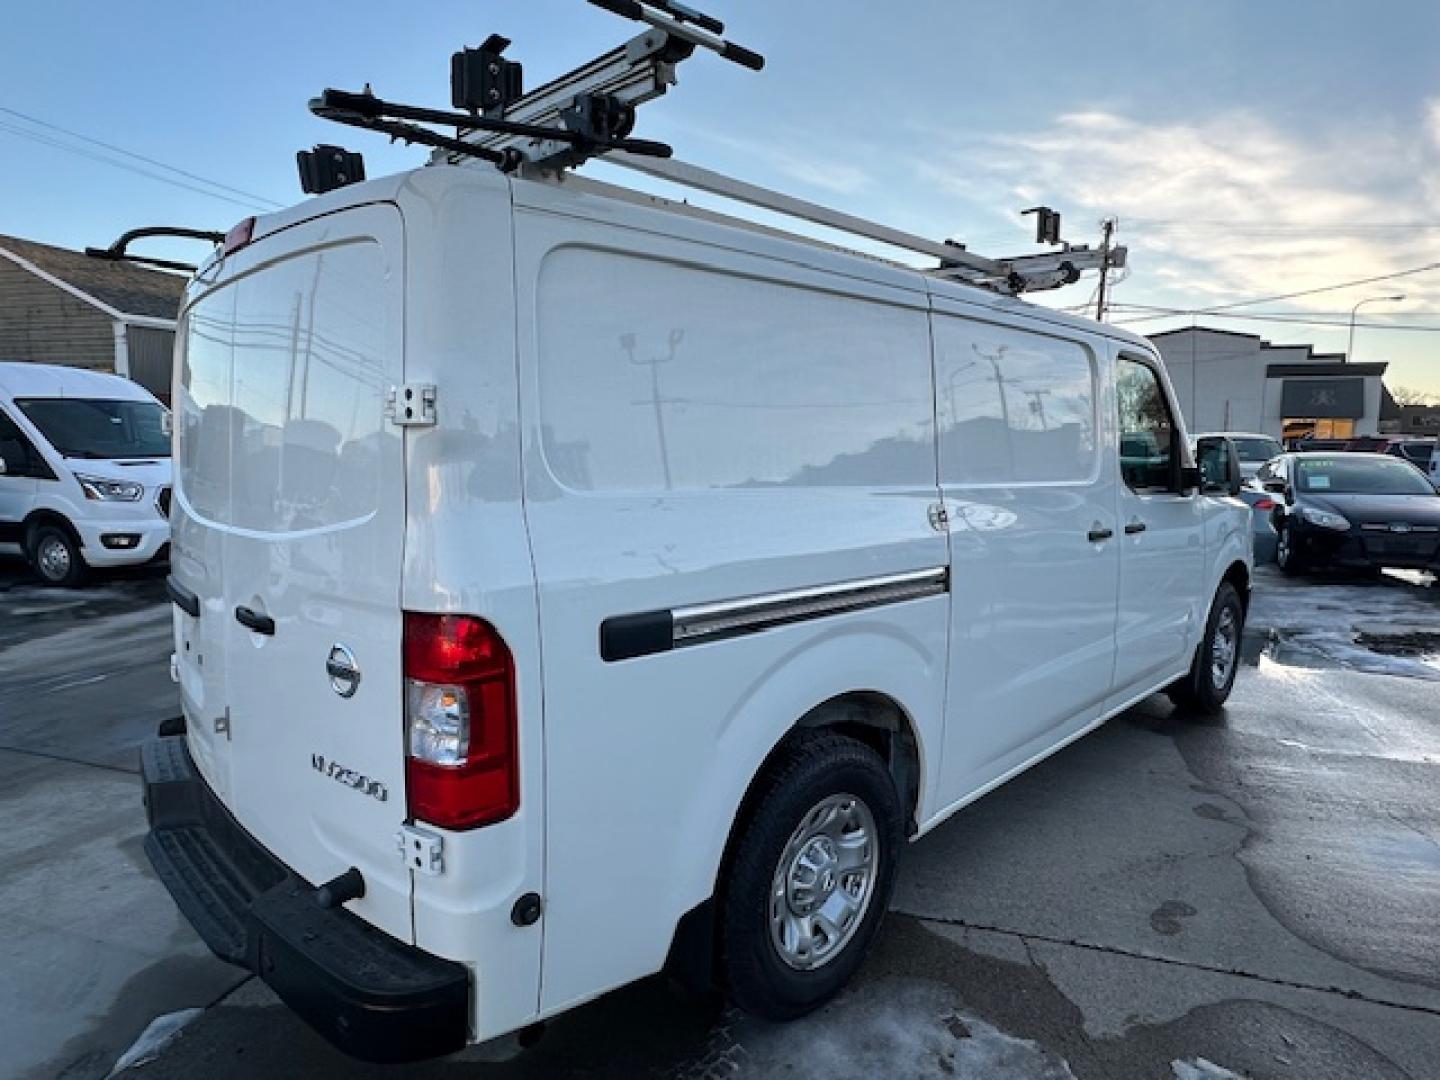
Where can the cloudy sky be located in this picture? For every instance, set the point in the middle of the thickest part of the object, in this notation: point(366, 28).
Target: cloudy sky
point(1249, 150)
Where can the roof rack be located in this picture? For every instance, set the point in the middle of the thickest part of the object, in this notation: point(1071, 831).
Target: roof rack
point(590, 112)
point(116, 252)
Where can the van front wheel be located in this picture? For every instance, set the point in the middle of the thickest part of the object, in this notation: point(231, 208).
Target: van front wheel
point(54, 556)
point(1217, 659)
point(809, 877)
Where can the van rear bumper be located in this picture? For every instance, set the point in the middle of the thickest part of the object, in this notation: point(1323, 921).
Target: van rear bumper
point(374, 997)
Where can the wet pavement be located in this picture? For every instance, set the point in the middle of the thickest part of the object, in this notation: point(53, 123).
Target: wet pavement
point(1167, 898)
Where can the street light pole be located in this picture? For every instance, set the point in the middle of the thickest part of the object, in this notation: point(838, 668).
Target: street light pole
point(1368, 300)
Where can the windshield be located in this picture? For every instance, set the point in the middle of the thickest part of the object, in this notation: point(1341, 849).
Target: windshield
point(1256, 450)
point(92, 428)
point(1361, 476)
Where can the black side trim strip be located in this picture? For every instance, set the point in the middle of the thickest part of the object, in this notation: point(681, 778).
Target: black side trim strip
point(182, 597)
point(624, 637)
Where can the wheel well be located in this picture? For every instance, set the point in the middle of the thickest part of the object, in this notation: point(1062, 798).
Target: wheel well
point(51, 517)
point(880, 723)
point(872, 718)
point(1239, 576)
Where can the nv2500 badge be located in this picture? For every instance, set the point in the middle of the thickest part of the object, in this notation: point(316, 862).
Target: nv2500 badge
point(349, 777)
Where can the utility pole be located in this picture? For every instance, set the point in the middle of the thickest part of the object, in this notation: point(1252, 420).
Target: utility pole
point(1350, 345)
point(1100, 298)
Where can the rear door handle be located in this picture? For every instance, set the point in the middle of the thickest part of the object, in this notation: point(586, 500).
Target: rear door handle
point(182, 597)
point(1134, 527)
point(1097, 535)
point(261, 624)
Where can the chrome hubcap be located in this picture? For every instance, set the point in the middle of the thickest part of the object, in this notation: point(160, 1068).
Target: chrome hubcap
point(53, 557)
point(824, 882)
point(1225, 648)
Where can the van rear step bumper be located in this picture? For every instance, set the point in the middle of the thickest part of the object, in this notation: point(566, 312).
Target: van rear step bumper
point(374, 997)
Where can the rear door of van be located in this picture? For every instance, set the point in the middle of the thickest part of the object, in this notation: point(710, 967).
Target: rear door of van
point(291, 499)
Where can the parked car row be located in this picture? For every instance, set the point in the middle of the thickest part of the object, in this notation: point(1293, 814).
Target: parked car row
point(1355, 508)
point(1417, 450)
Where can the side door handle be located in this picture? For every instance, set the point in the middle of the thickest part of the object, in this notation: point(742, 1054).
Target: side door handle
point(1134, 527)
point(261, 624)
point(1095, 536)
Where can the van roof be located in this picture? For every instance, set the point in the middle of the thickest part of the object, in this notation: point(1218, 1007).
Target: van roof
point(389, 188)
point(20, 379)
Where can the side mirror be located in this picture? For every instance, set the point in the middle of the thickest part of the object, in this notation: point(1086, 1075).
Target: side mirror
point(1190, 478)
point(1219, 466)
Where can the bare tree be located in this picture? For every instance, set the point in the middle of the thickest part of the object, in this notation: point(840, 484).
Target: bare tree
point(1408, 395)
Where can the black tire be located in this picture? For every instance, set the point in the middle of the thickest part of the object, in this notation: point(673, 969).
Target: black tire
point(811, 768)
point(1287, 555)
point(1203, 690)
point(55, 556)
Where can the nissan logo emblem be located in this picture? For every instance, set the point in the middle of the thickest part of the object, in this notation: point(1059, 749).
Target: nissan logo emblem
point(343, 670)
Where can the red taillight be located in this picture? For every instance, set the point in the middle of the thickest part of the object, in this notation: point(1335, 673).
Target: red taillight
point(461, 765)
point(239, 235)
point(1263, 504)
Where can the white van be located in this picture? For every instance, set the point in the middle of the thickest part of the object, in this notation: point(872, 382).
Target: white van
point(84, 470)
point(571, 585)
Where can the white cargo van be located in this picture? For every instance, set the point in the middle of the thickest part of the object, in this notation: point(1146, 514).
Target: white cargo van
point(84, 470)
point(569, 585)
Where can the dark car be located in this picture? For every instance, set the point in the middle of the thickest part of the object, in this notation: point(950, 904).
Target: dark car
point(1417, 451)
point(1352, 510)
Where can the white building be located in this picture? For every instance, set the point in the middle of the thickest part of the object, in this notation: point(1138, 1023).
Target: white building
point(1227, 381)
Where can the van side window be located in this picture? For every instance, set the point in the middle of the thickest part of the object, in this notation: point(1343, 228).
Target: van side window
point(809, 388)
point(1147, 430)
point(1013, 406)
point(20, 456)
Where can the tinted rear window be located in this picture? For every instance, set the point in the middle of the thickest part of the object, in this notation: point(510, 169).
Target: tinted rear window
point(1256, 450)
point(281, 404)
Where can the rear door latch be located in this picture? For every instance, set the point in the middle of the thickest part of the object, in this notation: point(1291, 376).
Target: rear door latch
point(422, 850)
point(411, 404)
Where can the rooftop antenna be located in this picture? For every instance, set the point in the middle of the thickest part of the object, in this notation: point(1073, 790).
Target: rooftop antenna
point(590, 112)
point(117, 252)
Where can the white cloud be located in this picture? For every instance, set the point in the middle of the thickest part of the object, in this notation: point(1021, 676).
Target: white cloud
point(1226, 208)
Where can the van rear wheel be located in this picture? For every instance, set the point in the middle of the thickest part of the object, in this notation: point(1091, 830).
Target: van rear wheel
point(54, 556)
point(809, 877)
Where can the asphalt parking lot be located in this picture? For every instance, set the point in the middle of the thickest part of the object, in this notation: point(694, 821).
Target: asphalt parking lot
point(1255, 895)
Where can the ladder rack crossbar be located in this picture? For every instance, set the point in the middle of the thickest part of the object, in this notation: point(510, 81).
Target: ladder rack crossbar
point(714, 183)
point(633, 73)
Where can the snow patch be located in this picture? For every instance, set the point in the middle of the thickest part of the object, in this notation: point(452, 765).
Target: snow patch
point(1200, 1069)
point(897, 1027)
point(153, 1039)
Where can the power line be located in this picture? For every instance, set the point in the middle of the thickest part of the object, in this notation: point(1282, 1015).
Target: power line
point(81, 152)
point(252, 198)
point(1275, 228)
point(1318, 289)
point(1298, 312)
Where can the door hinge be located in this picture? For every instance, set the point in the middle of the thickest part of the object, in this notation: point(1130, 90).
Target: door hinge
point(939, 517)
point(411, 404)
point(422, 850)
point(222, 724)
